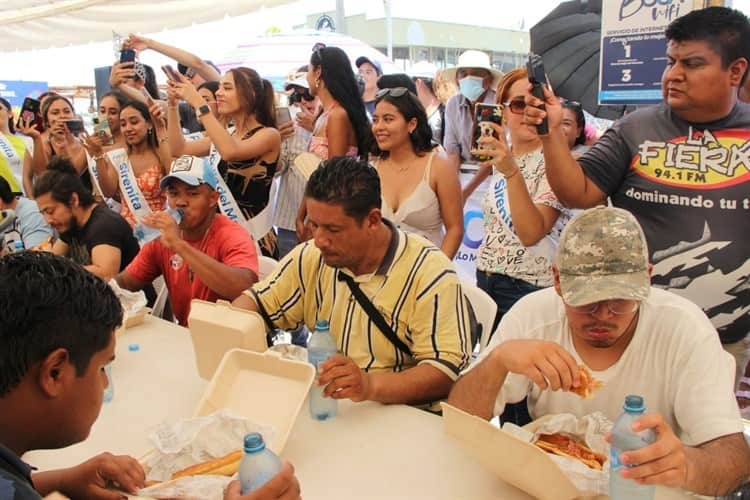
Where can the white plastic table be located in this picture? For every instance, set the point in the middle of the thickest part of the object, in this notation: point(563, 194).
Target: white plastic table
point(370, 451)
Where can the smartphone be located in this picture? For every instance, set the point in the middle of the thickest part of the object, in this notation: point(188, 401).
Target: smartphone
point(538, 79)
point(75, 125)
point(484, 113)
point(282, 115)
point(29, 111)
point(102, 130)
point(127, 55)
point(171, 73)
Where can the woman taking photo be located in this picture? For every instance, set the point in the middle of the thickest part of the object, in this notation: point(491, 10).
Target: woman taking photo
point(147, 152)
point(574, 126)
point(13, 157)
point(420, 188)
point(110, 106)
point(56, 140)
point(249, 153)
point(521, 213)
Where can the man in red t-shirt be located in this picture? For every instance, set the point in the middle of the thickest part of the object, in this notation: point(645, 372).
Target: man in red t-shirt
point(207, 256)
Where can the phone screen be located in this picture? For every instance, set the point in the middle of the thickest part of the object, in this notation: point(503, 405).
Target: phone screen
point(484, 113)
point(75, 126)
point(127, 55)
point(282, 115)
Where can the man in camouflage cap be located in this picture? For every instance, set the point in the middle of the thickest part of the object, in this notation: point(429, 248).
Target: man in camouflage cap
point(603, 315)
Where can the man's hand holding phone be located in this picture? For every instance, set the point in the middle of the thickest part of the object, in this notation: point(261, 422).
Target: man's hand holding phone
point(551, 111)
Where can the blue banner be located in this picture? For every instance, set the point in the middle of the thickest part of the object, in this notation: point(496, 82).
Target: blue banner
point(15, 91)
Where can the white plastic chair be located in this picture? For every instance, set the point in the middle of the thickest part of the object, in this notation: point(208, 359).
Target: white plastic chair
point(266, 265)
point(485, 310)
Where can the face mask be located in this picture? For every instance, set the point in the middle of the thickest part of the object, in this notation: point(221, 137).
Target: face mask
point(471, 87)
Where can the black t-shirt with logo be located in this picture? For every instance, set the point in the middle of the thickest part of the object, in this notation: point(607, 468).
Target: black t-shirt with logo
point(688, 184)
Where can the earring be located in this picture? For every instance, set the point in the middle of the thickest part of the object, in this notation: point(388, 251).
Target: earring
point(317, 83)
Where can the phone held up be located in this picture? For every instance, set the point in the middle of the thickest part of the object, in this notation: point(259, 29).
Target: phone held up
point(171, 73)
point(283, 115)
point(127, 55)
point(538, 79)
point(483, 115)
point(75, 126)
point(102, 130)
point(29, 112)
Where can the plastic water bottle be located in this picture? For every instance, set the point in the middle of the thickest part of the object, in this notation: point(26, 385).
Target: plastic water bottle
point(320, 347)
point(144, 233)
point(624, 439)
point(109, 392)
point(18, 246)
point(259, 465)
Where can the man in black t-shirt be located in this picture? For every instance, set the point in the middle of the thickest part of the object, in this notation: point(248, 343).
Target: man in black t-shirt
point(91, 235)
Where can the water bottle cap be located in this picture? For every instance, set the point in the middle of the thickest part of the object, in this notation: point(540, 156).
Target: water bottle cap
point(321, 324)
point(634, 403)
point(18, 244)
point(254, 442)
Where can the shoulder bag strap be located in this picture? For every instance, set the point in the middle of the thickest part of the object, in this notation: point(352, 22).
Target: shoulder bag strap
point(373, 313)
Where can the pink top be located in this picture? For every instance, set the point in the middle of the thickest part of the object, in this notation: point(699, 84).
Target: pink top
point(319, 140)
point(148, 183)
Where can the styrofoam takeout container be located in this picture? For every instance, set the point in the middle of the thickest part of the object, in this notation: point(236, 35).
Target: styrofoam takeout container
point(515, 461)
point(265, 388)
point(219, 327)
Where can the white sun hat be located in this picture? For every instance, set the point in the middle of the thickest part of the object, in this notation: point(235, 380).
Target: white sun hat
point(474, 59)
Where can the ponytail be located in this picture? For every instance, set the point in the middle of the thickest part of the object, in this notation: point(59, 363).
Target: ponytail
point(265, 109)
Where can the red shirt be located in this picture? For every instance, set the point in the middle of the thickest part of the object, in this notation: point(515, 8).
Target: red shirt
point(226, 241)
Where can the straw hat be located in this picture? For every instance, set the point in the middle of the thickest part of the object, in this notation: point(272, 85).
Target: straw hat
point(474, 59)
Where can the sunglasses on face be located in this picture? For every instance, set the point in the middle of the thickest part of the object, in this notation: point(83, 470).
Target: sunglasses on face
point(617, 306)
point(516, 106)
point(394, 92)
point(296, 96)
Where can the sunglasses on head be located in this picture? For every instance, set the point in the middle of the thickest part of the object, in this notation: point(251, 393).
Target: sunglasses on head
point(393, 92)
point(516, 106)
point(318, 49)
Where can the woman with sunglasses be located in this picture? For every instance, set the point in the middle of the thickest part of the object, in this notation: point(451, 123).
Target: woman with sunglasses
point(522, 216)
point(420, 188)
point(56, 140)
point(249, 152)
point(342, 127)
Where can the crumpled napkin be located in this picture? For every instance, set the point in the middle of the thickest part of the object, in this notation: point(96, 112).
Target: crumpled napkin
point(132, 302)
point(190, 441)
point(590, 429)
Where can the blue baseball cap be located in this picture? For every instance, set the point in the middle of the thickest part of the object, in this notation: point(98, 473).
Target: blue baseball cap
point(191, 170)
point(362, 59)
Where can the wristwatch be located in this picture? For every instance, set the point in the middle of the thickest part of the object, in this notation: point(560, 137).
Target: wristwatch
point(203, 110)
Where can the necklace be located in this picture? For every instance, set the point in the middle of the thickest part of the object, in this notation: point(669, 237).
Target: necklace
point(201, 248)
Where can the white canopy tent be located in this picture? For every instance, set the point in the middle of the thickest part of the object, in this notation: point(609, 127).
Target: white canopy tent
point(37, 24)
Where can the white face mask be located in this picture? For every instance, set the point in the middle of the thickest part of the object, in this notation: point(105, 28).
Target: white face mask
point(471, 87)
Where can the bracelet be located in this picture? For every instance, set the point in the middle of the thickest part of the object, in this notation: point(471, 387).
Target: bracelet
point(163, 139)
point(515, 172)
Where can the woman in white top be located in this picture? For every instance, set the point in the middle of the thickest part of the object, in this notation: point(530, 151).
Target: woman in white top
point(421, 189)
point(522, 216)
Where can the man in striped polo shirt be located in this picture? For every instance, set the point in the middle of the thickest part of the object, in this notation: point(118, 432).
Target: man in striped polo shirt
point(411, 284)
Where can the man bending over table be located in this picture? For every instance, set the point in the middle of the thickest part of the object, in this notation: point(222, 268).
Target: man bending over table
point(57, 335)
point(409, 282)
point(603, 313)
point(206, 256)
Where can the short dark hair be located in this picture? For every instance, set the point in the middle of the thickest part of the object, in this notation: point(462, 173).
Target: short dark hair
point(61, 180)
point(726, 30)
point(346, 181)
point(211, 86)
point(6, 193)
point(395, 80)
point(410, 107)
point(48, 302)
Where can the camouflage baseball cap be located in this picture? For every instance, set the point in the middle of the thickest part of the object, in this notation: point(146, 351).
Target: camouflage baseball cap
point(603, 255)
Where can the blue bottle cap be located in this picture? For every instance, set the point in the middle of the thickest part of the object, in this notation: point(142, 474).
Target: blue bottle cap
point(634, 403)
point(321, 324)
point(133, 347)
point(254, 442)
